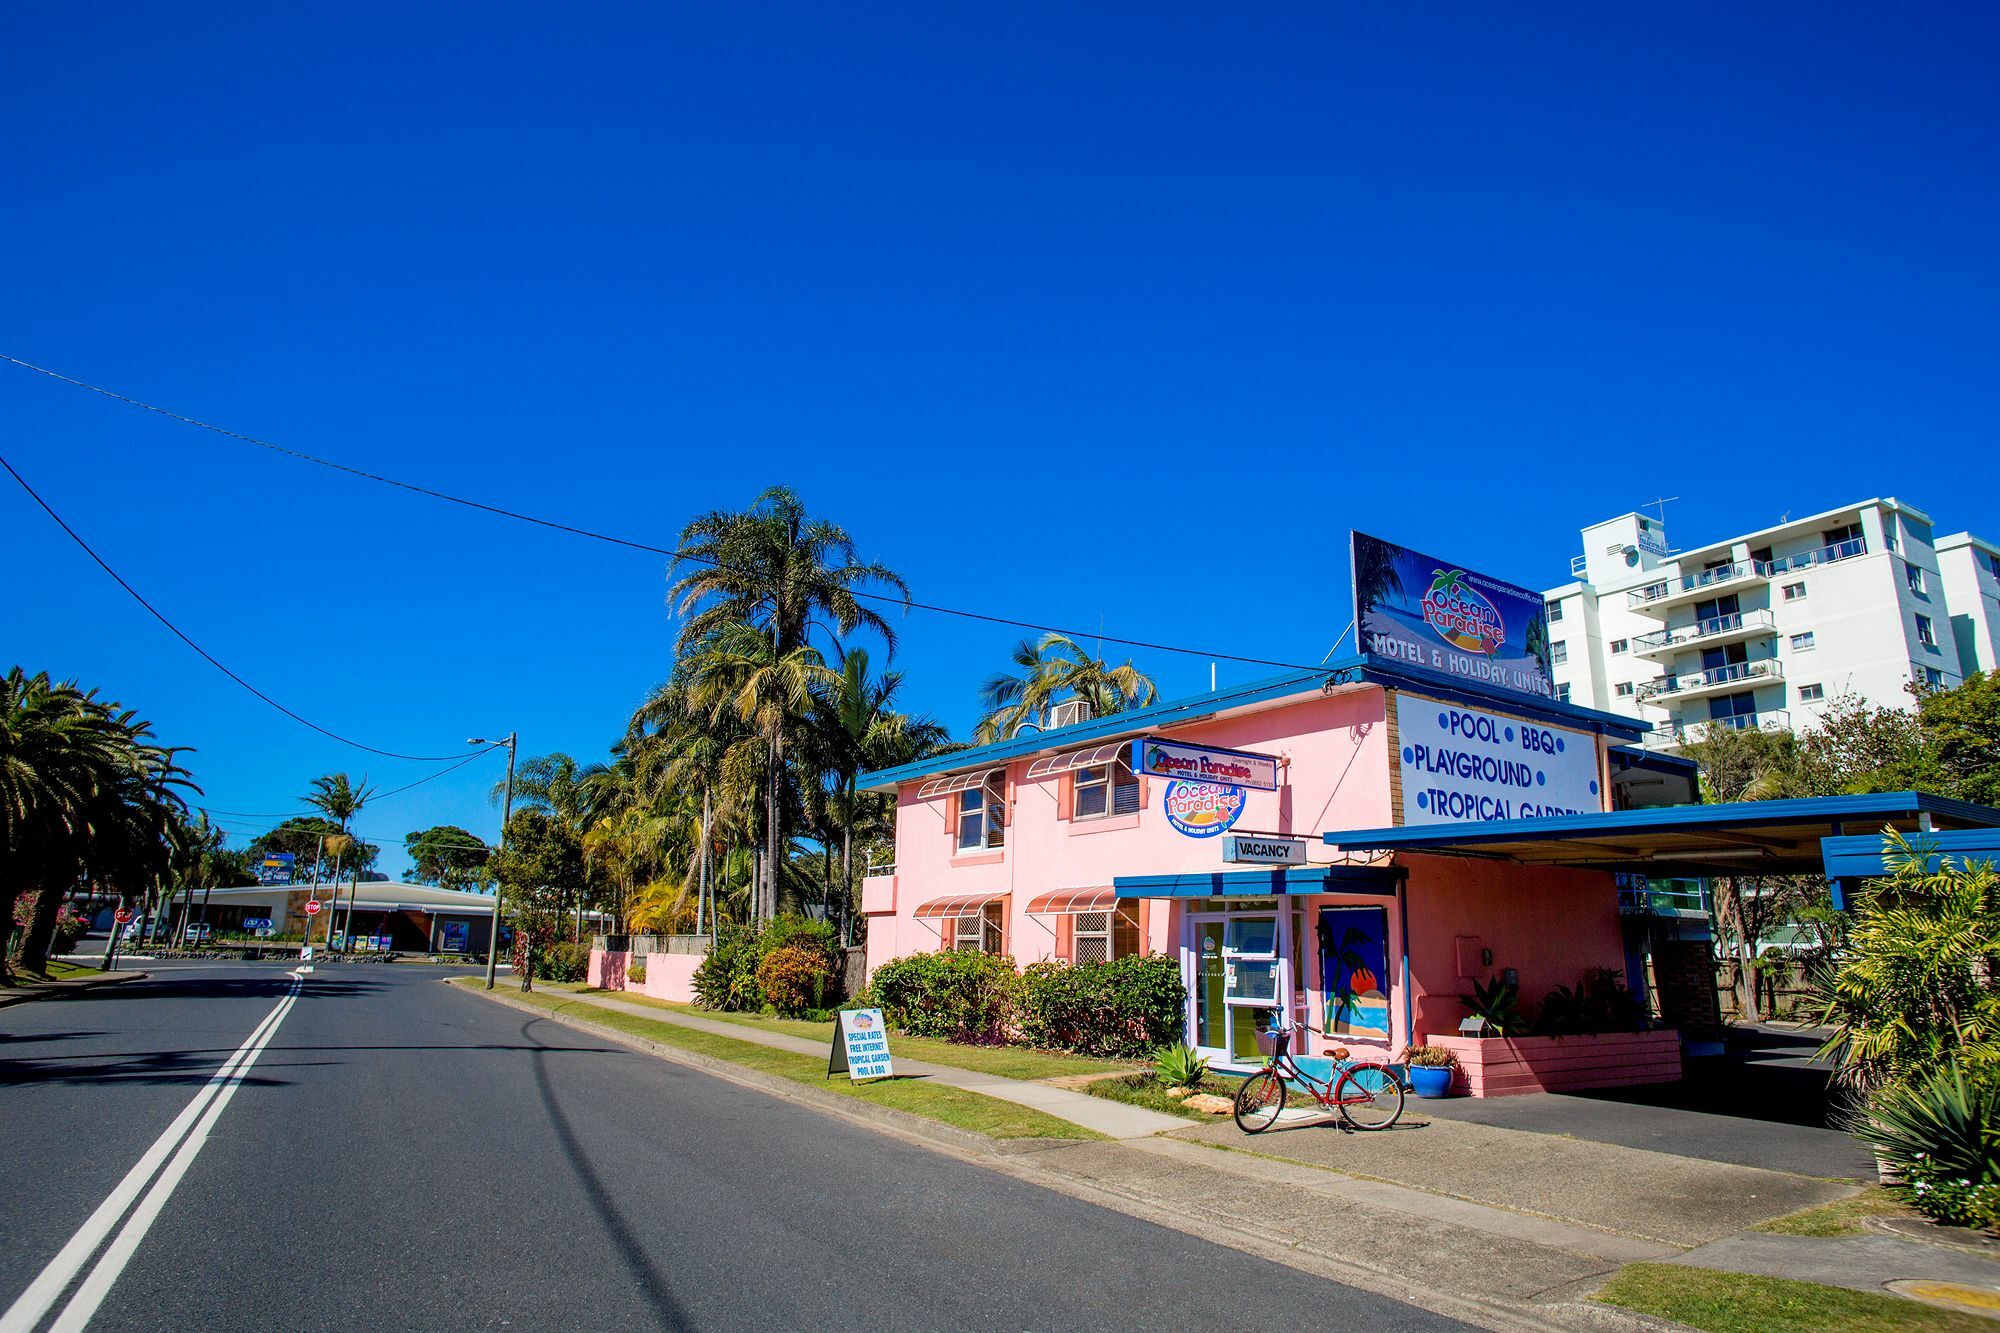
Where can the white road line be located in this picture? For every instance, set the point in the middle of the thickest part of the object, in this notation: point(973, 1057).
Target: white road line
point(33, 1304)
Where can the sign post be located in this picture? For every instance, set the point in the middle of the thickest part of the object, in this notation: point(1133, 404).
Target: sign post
point(860, 1046)
point(312, 906)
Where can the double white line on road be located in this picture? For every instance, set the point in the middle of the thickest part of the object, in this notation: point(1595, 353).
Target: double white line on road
point(200, 1115)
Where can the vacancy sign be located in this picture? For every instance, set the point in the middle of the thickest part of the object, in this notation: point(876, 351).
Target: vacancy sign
point(861, 1046)
point(1469, 766)
point(1259, 849)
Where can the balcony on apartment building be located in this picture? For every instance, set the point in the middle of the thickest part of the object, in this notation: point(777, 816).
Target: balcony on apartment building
point(1666, 735)
point(1716, 680)
point(1736, 627)
point(1659, 598)
point(1825, 555)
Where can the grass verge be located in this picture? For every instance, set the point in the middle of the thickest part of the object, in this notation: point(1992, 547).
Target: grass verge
point(951, 1106)
point(1002, 1061)
point(1843, 1217)
point(58, 971)
point(1743, 1303)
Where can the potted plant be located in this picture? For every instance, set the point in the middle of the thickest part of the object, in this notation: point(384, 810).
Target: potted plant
point(1432, 1069)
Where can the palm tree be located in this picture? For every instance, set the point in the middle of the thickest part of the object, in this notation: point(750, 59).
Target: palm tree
point(855, 728)
point(1050, 668)
point(85, 795)
point(336, 797)
point(774, 570)
point(557, 785)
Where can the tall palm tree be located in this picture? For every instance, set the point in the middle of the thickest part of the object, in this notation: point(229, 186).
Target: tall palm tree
point(1051, 668)
point(557, 785)
point(775, 570)
point(337, 797)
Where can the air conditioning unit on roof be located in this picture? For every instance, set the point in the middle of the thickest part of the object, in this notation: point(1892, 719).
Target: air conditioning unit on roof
point(1070, 712)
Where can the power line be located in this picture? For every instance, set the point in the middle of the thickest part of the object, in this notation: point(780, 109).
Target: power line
point(237, 816)
point(608, 538)
point(207, 656)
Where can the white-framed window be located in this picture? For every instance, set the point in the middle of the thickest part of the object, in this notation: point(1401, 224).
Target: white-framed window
point(1795, 592)
point(1099, 937)
point(1811, 694)
point(1562, 693)
point(1926, 635)
point(1933, 678)
point(982, 816)
point(980, 932)
point(1993, 563)
point(1802, 643)
point(1623, 689)
point(1914, 576)
point(1555, 613)
point(1619, 646)
point(1558, 653)
point(1105, 789)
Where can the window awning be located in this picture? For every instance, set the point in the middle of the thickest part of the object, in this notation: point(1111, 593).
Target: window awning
point(1070, 902)
point(963, 782)
point(1108, 753)
point(955, 905)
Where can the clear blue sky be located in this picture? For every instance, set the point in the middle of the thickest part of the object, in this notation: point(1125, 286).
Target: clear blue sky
point(1078, 313)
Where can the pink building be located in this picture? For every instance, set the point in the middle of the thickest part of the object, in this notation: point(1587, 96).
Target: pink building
point(1197, 829)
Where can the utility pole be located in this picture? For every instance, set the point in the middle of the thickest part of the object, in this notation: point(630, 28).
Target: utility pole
point(512, 742)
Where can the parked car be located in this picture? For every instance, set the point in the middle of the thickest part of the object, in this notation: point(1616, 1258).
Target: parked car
point(198, 932)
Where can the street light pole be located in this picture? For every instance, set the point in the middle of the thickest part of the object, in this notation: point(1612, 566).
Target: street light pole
point(511, 741)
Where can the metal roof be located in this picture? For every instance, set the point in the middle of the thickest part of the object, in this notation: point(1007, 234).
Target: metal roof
point(1735, 838)
point(1358, 669)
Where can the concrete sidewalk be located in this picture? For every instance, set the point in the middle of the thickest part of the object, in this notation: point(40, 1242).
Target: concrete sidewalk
point(1112, 1119)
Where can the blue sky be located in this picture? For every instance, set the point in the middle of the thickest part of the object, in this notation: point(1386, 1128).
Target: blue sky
point(1115, 315)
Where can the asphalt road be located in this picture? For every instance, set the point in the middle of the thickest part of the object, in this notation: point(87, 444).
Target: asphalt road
point(404, 1155)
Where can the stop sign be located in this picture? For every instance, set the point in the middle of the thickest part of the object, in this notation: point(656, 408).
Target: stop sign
point(312, 907)
point(122, 915)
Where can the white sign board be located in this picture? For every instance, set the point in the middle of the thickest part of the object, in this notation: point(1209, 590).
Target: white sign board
point(1466, 765)
point(1257, 850)
point(861, 1046)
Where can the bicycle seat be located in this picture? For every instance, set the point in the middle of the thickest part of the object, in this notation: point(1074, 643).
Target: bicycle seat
point(1339, 1052)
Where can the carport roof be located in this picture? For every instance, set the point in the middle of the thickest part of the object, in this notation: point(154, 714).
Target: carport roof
point(1735, 838)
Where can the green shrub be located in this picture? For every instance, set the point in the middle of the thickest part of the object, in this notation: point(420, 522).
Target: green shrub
point(1178, 1066)
point(562, 961)
point(1941, 1131)
point(635, 975)
point(727, 978)
point(957, 996)
point(1498, 1001)
point(1431, 1057)
point(1128, 1007)
point(795, 978)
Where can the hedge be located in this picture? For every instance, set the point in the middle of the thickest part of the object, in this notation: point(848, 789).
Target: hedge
point(1128, 1007)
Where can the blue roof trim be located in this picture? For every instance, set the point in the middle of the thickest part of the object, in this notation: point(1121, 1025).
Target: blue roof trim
point(1862, 858)
point(1631, 756)
point(1261, 883)
point(1672, 818)
point(1358, 667)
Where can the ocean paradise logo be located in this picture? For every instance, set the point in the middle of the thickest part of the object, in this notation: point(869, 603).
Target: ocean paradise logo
point(1461, 615)
point(1203, 809)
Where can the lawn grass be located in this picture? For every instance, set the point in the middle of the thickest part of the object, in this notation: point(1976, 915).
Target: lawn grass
point(1743, 1303)
point(1842, 1217)
point(933, 1101)
point(1002, 1061)
point(58, 971)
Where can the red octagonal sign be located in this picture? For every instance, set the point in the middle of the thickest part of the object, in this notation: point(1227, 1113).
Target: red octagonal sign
point(312, 906)
point(122, 915)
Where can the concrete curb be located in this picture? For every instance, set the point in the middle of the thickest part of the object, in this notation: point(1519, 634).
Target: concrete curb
point(50, 989)
point(1022, 1159)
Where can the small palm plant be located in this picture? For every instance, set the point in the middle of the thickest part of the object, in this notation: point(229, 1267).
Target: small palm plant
point(1179, 1067)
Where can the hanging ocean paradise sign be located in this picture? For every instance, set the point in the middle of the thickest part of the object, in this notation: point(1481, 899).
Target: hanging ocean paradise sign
point(1203, 809)
point(1431, 613)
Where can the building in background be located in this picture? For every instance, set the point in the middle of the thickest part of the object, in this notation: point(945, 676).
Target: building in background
point(1765, 629)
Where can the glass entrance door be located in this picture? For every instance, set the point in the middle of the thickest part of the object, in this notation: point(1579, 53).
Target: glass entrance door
point(1239, 968)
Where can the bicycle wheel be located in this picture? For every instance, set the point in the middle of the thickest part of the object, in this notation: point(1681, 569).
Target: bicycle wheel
point(1370, 1096)
point(1258, 1102)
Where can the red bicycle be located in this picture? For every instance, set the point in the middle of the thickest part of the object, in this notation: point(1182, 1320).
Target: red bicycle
point(1366, 1095)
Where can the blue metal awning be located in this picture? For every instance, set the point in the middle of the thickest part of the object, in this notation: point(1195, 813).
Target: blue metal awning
point(1862, 858)
point(1261, 883)
point(1736, 838)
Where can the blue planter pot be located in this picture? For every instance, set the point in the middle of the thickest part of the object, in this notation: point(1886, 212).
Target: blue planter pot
point(1430, 1081)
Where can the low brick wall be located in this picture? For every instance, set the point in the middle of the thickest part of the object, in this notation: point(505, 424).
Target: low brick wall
point(1504, 1066)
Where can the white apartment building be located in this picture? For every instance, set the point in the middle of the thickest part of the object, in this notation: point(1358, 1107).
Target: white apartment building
point(1765, 629)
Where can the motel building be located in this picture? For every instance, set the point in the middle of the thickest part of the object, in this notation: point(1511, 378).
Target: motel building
point(1359, 844)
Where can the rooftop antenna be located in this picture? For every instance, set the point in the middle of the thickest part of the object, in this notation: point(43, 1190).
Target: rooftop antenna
point(1661, 505)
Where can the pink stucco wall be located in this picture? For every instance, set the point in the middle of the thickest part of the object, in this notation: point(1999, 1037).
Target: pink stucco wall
point(669, 976)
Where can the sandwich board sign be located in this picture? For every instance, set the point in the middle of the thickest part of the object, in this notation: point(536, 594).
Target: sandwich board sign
point(860, 1046)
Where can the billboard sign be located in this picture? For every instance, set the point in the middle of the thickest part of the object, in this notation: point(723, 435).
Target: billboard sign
point(1467, 766)
point(1414, 608)
point(276, 868)
point(1204, 763)
point(1202, 809)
